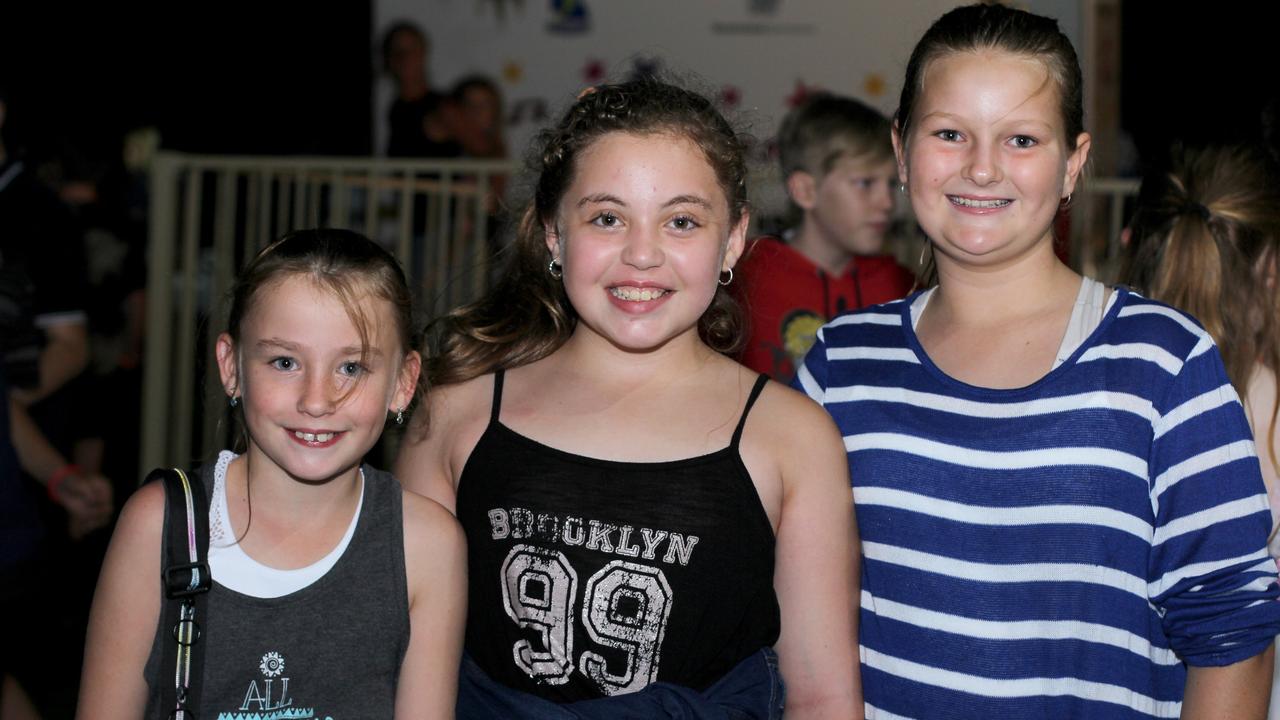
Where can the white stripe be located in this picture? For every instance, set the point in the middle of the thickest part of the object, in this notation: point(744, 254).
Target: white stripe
point(1005, 572)
point(1020, 687)
point(872, 353)
point(1124, 402)
point(811, 386)
point(989, 460)
point(1003, 516)
point(1213, 399)
point(871, 712)
point(1207, 460)
point(1168, 312)
point(1219, 513)
point(1204, 345)
point(867, 319)
point(1020, 629)
point(1135, 351)
point(1173, 577)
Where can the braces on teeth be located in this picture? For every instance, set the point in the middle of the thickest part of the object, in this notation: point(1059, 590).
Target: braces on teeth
point(966, 202)
point(637, 294)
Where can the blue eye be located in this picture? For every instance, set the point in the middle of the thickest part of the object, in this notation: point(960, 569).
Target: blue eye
point(352, 369)
point(284, 363)
point(1023, 141)
point(948, 135)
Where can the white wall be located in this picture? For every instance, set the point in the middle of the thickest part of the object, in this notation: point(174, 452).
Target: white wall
point(761, 49)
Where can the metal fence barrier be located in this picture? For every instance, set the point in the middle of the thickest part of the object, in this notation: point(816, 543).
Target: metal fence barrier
point(209, 215)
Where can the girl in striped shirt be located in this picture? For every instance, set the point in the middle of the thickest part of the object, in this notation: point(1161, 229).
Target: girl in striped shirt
point(1057, 491)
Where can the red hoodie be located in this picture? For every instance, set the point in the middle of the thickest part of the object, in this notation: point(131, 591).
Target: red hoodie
point(787, 298)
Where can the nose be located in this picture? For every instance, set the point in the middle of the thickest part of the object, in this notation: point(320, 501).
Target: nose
point(318, 395)
point(642, 247)
point(983, 164)
point(882, 197)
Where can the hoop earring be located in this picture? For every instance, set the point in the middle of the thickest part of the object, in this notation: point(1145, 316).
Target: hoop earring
point(1067, 200)
point(555, 269)
point(722, 281)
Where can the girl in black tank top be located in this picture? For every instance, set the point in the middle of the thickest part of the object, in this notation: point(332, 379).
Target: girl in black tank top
point(639, 541)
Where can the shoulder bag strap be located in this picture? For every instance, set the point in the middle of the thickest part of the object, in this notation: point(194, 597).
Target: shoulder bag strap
point(186, 582)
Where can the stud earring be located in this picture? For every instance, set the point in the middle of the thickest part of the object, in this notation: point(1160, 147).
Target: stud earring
point(555, 269)
point(722, 281)
point(233, 400)
point(400, 416)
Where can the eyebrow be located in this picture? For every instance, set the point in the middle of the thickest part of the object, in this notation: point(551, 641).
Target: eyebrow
point(677, 200)
point(601, 198)
point(270, 343)
point(278, 343)
point(949, 116)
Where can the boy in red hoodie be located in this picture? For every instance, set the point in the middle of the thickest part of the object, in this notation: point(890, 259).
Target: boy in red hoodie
point(837, 163)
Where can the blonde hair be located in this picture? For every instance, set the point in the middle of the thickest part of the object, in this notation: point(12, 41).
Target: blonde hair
point(1204, 239)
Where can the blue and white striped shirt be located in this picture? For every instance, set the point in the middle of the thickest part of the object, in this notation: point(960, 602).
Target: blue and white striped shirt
point(1059, 550)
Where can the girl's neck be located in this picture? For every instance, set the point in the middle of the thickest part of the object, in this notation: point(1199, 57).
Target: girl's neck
point(1029, 285)
point(272, 487)
point(592, 356)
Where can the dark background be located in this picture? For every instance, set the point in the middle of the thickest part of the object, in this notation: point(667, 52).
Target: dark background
point(297, 78)
point(225, 77)
point(1196, 71)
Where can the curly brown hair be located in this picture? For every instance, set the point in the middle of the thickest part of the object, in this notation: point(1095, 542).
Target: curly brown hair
point(527, 315)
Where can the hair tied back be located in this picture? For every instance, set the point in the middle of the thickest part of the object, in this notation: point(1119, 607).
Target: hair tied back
point(1191, 207)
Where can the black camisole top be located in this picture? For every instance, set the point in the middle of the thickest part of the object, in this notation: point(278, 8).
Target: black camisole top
point(591, 578)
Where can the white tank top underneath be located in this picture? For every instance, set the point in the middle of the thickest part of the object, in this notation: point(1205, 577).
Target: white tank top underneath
point(233, 569)
point(1092, 304)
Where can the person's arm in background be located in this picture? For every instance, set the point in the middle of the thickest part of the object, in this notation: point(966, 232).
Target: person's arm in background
point(64, 356)
point(85, 496)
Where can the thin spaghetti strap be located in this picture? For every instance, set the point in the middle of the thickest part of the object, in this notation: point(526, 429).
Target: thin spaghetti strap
point(751, 400)
point(497, 396)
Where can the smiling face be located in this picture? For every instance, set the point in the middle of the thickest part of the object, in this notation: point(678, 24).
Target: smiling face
point(986, 162)
point(313, 406)
point(643, 233)
point(852, 204)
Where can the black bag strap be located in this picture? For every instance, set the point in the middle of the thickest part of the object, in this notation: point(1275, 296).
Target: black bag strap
point(185, 577)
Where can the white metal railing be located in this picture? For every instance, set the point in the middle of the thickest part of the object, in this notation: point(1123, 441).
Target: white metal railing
point(209, 215)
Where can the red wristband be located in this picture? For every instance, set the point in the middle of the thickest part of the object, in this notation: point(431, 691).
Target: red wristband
point(55, 480)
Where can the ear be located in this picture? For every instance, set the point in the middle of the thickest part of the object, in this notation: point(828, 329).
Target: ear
point(407, 383)
point(552, 238)
point(803, 189)
point(737, 241)
point(1075, 163)
point(228, 364)
point(899, 152)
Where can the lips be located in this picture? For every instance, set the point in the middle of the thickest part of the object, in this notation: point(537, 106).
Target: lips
point(637, 299)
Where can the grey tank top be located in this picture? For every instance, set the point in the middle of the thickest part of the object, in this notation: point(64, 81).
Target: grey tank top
point(330, 650)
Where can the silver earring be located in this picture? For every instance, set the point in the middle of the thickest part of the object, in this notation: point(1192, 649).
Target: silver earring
point(722, 281)
point(400, 416)
point(555, 269)
point(1067, 200)
point(234, 400)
